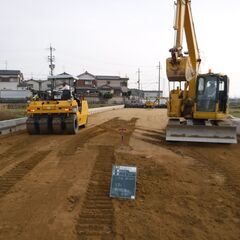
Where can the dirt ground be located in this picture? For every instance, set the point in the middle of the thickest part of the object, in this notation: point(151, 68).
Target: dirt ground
point(57, 187)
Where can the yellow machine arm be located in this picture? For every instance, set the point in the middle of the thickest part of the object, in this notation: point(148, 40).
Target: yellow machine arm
point(179, 67)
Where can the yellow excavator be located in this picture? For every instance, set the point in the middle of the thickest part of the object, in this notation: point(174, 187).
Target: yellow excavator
point(56, 111)
point(198, 103)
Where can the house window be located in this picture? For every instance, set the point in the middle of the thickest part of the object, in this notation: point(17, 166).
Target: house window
point(88, 82)
point(123, 84)
point(108, 82)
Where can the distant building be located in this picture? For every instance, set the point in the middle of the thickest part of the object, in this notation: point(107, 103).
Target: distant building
point(135, 94)
point(37, 85)
point(151, 94)
point(118, 84)
point(33, 84)
point(86, 84)
point(46, 85)
point(89, 83)
point(10, 79)
point(59, 79)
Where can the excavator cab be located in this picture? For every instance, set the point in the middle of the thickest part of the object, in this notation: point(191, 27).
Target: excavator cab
point(209, 122)
point(212, 94)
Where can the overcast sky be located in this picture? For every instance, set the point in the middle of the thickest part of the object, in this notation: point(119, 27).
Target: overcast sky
point(113, 37)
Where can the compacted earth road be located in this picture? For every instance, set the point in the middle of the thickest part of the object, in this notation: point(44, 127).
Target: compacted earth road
point(57, 186)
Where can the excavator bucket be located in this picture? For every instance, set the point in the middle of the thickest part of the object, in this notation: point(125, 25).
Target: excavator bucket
point(201, 133)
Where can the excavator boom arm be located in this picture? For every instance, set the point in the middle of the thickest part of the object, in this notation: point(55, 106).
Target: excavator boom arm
point(184, 23)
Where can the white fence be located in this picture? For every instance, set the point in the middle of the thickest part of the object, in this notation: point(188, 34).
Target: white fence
point(14, 95)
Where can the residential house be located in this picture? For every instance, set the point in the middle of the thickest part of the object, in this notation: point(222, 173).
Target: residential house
point(59, 79)
point(10, 79)
point(89, 83)
point(116, 83)
point(86, 84)
point(46, 85)
point(33, 84)
point(37, 85)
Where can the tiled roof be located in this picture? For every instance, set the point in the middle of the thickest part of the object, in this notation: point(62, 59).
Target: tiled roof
point(86, 73)
point(102, 77)
point(10, 72)
point(63, 75)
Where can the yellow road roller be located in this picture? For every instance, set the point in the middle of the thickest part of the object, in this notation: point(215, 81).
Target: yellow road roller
point(56, 112)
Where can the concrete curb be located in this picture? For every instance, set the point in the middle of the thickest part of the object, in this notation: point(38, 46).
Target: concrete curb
point(14, 125)
point(104, 109)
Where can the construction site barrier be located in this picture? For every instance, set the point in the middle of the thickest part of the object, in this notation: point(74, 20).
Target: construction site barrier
point(14, 125)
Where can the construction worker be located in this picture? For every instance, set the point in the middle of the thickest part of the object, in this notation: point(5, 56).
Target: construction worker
point(65, 86)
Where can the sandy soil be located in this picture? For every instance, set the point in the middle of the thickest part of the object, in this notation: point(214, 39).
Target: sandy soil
point(57, 187)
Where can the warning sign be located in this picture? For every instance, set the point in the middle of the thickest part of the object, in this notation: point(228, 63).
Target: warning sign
point(123, 184)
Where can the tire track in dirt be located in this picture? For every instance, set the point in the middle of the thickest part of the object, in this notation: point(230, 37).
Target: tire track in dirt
point(111, 126)
point(70, 147)
point(96, 218)
point(83, 137)
point(10, 178)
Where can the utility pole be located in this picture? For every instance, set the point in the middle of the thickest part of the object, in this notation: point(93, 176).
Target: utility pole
point(163, 86)
point(159, 77)
point(139, 94)
point(51, 60)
